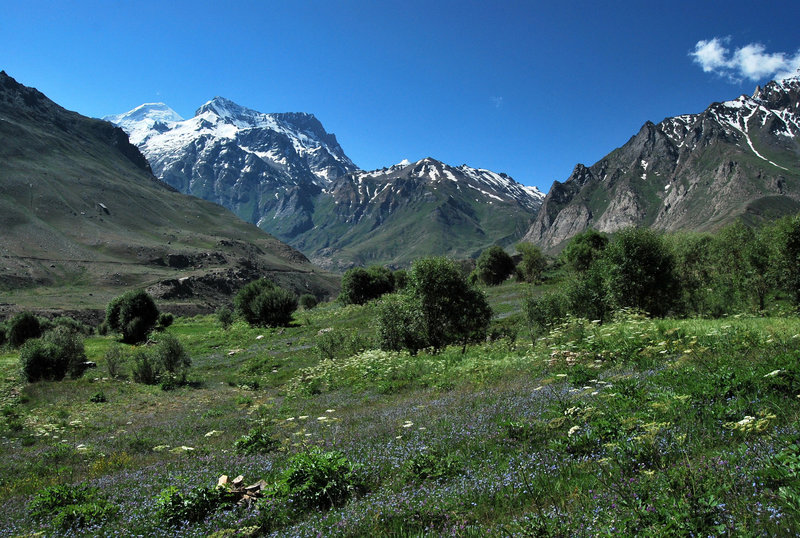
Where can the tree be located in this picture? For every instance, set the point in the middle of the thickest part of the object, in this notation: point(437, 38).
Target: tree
point(23, 327)
point(52, 356)
point(450, 310)
point(533, 262)
point(262, 303)
point(787, 232)
point(360, 285)
point(583, 249)
point(494, 266)
point(133, 314)
point(640, 271)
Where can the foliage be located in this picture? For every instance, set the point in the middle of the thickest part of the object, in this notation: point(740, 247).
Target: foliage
point(584, 249)
point(494, 265)
point(165, 319)
point(400, 325)
point(433, 464)
point(71, 506)
point(339, 343)
point(144, 368)
point(361, 285)
point(533, 263)
point(448, 308)
point(114, 359)
point(133, 314)
point(586, 294)
point(263, 304)
point(318, 480)
point(73, 324)
point(224, 316)
point(542, 312)
point(52, 356)
point(307, 301)
point(257, 441)
point(640, 271)
point(788, 259)
point(176, 508)
point(171, 357)
point(23, 327)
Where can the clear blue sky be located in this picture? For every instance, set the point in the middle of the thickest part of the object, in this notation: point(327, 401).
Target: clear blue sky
point(527, 88)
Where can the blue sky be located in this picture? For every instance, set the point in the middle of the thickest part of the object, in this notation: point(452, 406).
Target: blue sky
point(526, 88)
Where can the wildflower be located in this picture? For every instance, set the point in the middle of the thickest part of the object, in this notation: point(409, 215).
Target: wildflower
point(303, 417)
point(561, 375)
point(408, 424)
point(330, 410)
point(213, 433)
point(773, 373)
point(289, 419)
point(573, 430)
point(322, 418)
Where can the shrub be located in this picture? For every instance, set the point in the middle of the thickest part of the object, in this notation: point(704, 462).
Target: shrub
point(165, 319)
point(261, 303)
point(319, 480)
point(307, 301)
point(494, 265)
point(134, 314)
point(533, 263)
point(144, 369)
point(340, 343)
point(114, 359)
point(640, 272)
point(170, 357)
point(543, 312)
point(450, 310)
point(3, 334)
point(586, 294)
point(176, 508)
point(433, 465)
point(583, 249)
point(72, 324)
point(224, 316)
point(51, 357)
point(71, 506)
point(361, 285)
point(23, 327)
point(257, 441)
point(399, 324)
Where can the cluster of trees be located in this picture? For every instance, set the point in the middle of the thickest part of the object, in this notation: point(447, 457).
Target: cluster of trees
point(359, 285)
point(680, 274)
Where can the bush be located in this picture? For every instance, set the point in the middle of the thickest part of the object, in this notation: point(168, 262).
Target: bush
point(72, 324)
point(307, 301)
point(533, 263)
point(340, 343)
point(257, 441)
point(399, 324)
point(165, 319)
point(224, 316)
point(583, 249)
point(23, 327)
point(317, 480)
point(133, 314)
point(175, 508)
point(71, 506)
point(494, 266)
point(640, 272)
point(261, 303)
point(543, 312)
point(170, 357)
point(361, 285)
point(51, 357)
point(144, 369)
point(3, 334)
point(114, 359)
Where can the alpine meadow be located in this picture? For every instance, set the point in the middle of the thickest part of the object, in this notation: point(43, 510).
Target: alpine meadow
point(215, 323)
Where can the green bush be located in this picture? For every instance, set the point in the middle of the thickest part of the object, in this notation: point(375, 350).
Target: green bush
point(144, 369)
point(319, 480)
point(170, 357)
point(307, 301)
point(73, 324)
point(133, 314)
point(114, 358)
point(52, 356)
point(361, 285)
point(165, 319)
point(176, 508)
point(494, 266)
point(257, 441)
point(23, 327)
point(533, 263)
point(543, 312)
point(433, 464)
point(584, 249)
point(263, 304)
point(71, 506)
point(224, 316)
point(3, 334)
point(340, 343)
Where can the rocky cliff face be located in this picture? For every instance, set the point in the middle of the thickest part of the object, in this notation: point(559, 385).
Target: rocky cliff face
point(696, 171)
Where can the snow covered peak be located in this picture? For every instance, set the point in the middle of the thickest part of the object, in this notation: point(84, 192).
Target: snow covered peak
point(228, 110)
point(145, 119)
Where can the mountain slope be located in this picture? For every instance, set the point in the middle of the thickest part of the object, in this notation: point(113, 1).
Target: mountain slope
point(83, 218)
point(286, 174)
point(398, 214)
point(695, 171)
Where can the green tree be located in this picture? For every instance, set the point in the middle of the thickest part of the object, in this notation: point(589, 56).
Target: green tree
point(583, 249)
point(360, 285)
point(640, 271)
point(133, 314)
point(533, 262)
point(23, 327)
point(263, 304)
point(787, 257)
point(494, 265)
point(450, 309)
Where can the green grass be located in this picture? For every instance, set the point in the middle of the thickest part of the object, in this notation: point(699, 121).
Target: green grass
point(635, 427)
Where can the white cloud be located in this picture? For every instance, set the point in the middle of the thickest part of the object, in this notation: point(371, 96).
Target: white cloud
point(750, 62)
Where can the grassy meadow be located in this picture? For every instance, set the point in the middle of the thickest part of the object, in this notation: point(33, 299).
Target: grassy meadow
point(632, 427)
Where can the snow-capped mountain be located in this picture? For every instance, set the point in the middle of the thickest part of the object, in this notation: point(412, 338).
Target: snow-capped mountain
point(286, 174)
point(397, 214)
point(695, 171)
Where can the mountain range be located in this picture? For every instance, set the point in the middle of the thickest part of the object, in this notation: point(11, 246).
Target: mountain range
point(83, 218)
point(286, 174)
point(736, 159)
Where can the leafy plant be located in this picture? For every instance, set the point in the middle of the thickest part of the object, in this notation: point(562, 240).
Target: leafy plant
point(133, 314)
point(263, 304)
point(71, 505)
point(176, 508)
point(318, 479)
point(23, 327)
point(51, 357)
point(494, 265)
point(257, 441)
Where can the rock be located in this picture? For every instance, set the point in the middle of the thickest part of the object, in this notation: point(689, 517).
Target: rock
point(223, 481)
